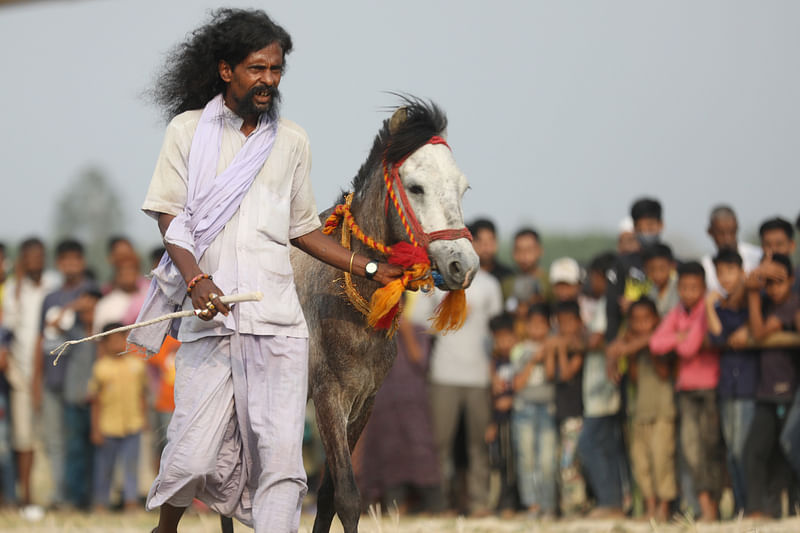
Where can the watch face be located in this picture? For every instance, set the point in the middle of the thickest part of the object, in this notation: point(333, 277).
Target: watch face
point(371, 268)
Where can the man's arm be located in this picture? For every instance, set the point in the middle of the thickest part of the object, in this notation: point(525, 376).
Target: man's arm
point(760, 328)
point(38, 372)
point(327, 250)
point(614, 290)
point(714, 323)
point(187, 265)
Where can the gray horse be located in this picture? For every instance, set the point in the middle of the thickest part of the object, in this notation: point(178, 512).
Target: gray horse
point(349, 360)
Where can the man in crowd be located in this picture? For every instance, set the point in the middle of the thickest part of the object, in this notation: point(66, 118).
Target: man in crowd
point(57, 318)
point(484, 239)
point(22, 308)
point(723, 229)
point(627, 279)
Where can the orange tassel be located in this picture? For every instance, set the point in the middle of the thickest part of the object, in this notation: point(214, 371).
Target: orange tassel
point(452, 312)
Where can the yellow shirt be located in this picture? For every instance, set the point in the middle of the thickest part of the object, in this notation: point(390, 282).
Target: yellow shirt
point(118, 385)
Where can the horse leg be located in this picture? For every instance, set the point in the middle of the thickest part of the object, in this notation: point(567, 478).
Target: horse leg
point(332, 422)
point(325, 504)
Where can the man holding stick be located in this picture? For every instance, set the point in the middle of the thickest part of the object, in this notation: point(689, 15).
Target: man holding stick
point(231, 192)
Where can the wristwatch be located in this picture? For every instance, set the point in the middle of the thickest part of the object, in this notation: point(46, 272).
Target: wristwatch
point(371, 269)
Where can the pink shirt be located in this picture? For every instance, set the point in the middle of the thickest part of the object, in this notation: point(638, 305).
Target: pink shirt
point(698, 367)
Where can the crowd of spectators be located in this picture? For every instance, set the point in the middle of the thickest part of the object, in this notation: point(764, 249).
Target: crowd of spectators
point(89, 410)
point(637, 384)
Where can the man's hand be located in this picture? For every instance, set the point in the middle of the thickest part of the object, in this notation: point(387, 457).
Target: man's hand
point(387, 273)
point(329, 251)
point(739, 338)
point(205, 297)
point(36, 394)
point(713, 297)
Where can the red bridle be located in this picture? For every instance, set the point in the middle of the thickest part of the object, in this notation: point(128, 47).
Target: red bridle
point(416, 234)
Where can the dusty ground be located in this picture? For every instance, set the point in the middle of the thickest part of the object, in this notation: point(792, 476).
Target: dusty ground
point(143, 522)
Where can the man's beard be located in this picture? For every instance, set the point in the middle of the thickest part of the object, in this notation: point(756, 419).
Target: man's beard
point(247, 106)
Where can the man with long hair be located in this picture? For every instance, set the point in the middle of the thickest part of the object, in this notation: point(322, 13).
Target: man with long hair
point(231, 192)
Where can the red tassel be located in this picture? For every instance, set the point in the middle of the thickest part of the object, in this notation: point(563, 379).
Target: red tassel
point(386, 320)
point(406, 255)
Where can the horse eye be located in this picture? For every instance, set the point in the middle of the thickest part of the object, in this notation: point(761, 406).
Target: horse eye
point(416, 189)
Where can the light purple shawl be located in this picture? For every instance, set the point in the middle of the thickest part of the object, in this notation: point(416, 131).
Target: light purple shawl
point(211, 202)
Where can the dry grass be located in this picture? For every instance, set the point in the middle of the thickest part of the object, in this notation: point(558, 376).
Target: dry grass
point(209, 523)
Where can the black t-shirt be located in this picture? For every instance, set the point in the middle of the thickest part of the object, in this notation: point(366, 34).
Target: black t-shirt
point(500, 271)
point(627, 266)
point(505, 371)
point(778, 366)
point(569, 394)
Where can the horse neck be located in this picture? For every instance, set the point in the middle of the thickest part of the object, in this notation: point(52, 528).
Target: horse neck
point(368, 208)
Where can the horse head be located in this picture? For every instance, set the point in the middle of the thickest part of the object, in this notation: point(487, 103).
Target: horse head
point(426, 203)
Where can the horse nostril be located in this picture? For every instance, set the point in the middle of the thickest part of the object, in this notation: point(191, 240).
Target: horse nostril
point(455, 270)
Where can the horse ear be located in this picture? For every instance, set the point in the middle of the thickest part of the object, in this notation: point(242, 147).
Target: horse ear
point(397, 120)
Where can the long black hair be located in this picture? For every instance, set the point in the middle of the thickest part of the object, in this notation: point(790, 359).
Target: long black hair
point(190, 76)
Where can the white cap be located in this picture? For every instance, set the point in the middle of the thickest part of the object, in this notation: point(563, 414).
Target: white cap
point(565, 270)
point(626, 225)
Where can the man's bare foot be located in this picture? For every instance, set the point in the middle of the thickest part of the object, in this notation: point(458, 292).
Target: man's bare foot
point(708, 508)
point(507, 513)
point(480, 513)
point(662, 515)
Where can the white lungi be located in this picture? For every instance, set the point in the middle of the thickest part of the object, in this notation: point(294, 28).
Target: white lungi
point(235, 439)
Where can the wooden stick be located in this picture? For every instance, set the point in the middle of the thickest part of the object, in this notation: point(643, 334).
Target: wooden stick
point(228, 299)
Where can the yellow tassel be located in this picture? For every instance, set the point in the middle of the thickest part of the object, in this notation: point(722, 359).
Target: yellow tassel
point(452, 312)
point(384, 299)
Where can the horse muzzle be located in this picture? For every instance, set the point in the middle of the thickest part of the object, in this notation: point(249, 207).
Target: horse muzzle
point(456, 262)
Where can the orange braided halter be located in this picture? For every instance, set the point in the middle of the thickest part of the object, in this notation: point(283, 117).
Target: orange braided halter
point(412, 255)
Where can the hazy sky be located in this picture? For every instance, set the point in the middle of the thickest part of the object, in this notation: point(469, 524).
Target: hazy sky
point(560, 112)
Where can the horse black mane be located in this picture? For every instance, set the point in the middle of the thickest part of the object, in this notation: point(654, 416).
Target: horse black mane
point(424, 119)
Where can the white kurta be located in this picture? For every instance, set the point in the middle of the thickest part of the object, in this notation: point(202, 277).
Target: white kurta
point(235, 439)
point(252, 252)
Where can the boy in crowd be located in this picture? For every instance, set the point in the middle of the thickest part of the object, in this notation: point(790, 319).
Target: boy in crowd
point(790, 436)
point(723, 229)
point(79, 362)
point(57, 318)
point(7, 472)
point(683, 331)
point(766, 470)
point(527, 253)
point(498, 433)
point(653, 427)
point(627, 243)
point(627, 280)
point(533, 419)
point(116, 305)
point(564, 361)
point(601, 446)
point(777, 237)
point(119, 407)
point(565, 279)
point(659, 266)
point(484, 240)
point(727, 329)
